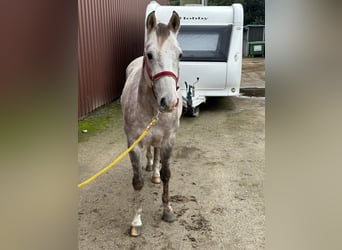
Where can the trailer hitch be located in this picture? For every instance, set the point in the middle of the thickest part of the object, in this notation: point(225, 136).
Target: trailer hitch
point(190, 94)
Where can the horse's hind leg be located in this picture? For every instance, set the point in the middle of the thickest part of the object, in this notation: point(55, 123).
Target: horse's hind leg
point(153, 165)
point(138, 183)
point(149, 158)
point(156, 170)
point(165, 175)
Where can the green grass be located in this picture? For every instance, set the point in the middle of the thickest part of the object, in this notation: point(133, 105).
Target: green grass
point(107, 116)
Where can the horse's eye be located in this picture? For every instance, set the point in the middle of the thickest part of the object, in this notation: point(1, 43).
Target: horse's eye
point(149, 56)
point(180, 55)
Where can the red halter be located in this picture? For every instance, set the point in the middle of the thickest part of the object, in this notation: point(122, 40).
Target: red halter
point(155, 77)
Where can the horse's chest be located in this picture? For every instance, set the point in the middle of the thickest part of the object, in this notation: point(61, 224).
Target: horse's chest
point(157, 136)
point(156, 141)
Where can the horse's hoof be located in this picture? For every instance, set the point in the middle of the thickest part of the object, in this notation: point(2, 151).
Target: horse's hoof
point(148, 168)
point(155, 180)
point(169, 217)
point(135, 231)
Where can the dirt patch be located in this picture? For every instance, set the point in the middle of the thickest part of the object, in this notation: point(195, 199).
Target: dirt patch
point(199, 229)
point(253, 73)
point(184, 152)
point(216, 188)
point(198, 223)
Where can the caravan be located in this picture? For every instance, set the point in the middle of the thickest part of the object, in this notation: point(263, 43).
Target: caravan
point(211, 40)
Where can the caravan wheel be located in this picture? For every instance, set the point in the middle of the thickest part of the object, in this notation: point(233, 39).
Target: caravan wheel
point(195, 112)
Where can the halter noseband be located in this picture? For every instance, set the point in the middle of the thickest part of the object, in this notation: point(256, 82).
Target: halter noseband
point(159, 75)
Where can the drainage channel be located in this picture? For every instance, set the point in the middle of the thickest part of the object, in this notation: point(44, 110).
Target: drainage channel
point(252, 92)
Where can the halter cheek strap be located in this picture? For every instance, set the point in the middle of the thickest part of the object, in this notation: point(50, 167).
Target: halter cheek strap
point(159, 75)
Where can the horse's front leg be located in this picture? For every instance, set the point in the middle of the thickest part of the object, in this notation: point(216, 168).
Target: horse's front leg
point(138, 183)
point(165, 174)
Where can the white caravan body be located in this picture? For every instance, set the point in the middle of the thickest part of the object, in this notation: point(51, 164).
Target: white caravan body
point(211, 40)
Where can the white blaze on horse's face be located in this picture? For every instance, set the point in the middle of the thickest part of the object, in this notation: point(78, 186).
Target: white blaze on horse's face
point(162, 53)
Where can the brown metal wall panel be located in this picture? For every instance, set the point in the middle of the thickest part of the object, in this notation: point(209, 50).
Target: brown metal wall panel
point(110, 36)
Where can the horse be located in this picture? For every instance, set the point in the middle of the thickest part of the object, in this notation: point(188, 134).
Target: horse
point(151, 89)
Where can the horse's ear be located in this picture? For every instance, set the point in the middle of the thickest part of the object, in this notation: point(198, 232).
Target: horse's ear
point(174, 22)
point(151, 21)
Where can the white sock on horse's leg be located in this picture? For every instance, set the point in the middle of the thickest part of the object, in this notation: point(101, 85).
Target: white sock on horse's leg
point(137, 218)
point(136, 224)
point(156, 175)
point(168, 208)
point(138, 208)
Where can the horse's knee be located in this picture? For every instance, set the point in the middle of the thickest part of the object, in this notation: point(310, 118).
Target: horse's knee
point(138, 183)
point(165, 174)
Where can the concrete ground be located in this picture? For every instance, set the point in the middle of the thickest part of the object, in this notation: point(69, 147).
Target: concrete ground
point(216, 189)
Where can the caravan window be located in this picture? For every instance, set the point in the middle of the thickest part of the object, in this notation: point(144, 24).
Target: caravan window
point(205, 43)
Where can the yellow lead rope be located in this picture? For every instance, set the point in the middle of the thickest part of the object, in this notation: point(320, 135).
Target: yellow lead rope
point(102, 171)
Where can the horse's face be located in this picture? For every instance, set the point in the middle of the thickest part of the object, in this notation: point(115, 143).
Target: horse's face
point(162, 53)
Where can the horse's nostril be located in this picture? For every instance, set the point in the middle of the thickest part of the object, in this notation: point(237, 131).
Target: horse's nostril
point(163, 102)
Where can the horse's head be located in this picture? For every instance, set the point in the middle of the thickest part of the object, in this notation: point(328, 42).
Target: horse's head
point(161, 60)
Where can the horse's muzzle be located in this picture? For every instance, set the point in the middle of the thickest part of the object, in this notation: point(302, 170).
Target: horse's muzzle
point(165, 106)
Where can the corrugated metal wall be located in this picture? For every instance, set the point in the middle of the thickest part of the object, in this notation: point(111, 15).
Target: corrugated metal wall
point(110, 36)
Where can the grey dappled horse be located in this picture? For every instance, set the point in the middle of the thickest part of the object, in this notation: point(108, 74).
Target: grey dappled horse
point(151, 87)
